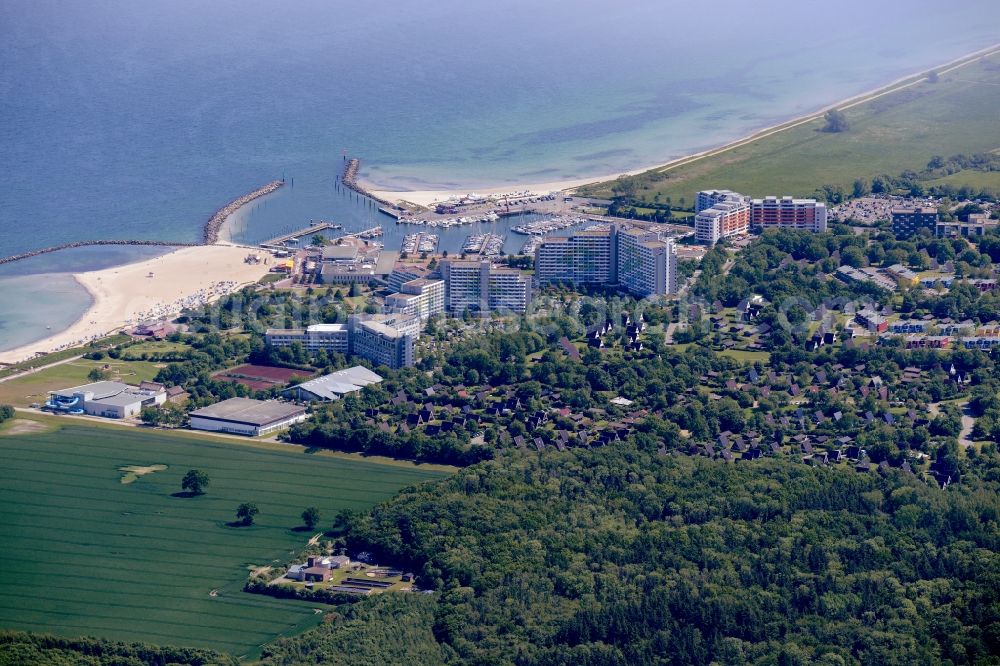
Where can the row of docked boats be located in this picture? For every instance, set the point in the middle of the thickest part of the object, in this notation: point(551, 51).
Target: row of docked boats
point(420, 242)
point(450, 221)
point(547, 226)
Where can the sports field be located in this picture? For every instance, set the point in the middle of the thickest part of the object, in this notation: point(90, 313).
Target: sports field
point(82, 553)
point(902, 130)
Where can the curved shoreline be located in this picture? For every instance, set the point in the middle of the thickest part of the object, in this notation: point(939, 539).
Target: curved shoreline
point(427, 197)
point(150, 289)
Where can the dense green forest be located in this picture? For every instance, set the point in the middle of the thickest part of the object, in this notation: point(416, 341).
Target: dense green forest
point(387, 629)
point(618, 556)
point(21, 649)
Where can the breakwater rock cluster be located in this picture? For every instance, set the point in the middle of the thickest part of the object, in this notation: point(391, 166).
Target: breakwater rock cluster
point(67, 246)
point(214, 224)
point(350, 181)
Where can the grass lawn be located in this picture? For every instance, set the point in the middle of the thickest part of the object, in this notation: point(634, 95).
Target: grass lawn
point(56, 356)
point(747, 356)
point(23, 391)
point(81, 552)
point(901, 130)
point(153, 347)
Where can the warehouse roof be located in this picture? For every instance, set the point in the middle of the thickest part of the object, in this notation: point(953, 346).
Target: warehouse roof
point(250, 412)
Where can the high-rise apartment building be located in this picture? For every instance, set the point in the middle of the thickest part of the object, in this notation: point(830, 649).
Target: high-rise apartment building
point(788, 213)
point(635, 258)
point(478, 286)
point(728, 217)
point(422, 298)
point(907, 222)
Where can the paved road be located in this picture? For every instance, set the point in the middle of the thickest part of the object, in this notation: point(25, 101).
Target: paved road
point(39, 368)
point(968, 421)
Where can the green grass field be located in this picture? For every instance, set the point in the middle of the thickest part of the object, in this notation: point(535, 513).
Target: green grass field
point(902, 130)
point(153, 347)
point(82, 553)
point(23, 391)
point(976, 179)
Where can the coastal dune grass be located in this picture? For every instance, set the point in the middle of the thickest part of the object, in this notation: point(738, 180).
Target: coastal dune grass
point(82, 553)
point(902, 130)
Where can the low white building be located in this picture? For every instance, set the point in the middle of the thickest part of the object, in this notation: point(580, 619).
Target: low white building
point(333, 386)
point(113, 400)
point(244, 416)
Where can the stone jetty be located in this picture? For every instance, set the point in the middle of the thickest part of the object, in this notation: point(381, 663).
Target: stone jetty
point(214, 224)
point(210, 233)
point(350, 181)
point(67, 246)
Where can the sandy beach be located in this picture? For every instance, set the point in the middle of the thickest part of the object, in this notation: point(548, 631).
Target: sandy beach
point(150, 290)
point(427, 198)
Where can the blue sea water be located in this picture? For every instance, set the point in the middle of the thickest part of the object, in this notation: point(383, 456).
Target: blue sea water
point(121, 119)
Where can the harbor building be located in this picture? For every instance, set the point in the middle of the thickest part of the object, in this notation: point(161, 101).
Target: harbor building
point(635, 258)
point(112, 400)
point(907, 222)
point(244, 416)
point(478, 286)
point(422, 297)
point(333, 386)
point(788, 213)
point(727, 218)
point(328, 337)
point(384, 339)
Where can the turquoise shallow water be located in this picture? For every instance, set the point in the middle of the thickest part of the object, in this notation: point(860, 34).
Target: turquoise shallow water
point(39, 296)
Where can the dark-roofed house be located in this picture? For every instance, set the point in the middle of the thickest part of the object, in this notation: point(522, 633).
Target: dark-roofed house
point(243, 416)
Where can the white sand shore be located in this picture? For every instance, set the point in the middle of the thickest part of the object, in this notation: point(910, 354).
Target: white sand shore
point(428, 197)
point(126, 295)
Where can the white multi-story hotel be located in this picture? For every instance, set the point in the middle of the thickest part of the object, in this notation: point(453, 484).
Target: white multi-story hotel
point(328, 337)
point(708, 198)
point(584, 257)
point(727, 216)
point(384, 339)
point(788, 213)
point(478, 286)
point(422, 298)
point(509, 289)
point(636, 258)
point(647, 266)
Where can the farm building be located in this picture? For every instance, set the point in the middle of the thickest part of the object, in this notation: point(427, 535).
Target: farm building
point(113, 400)
point(334, 385)
point(243, 416)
